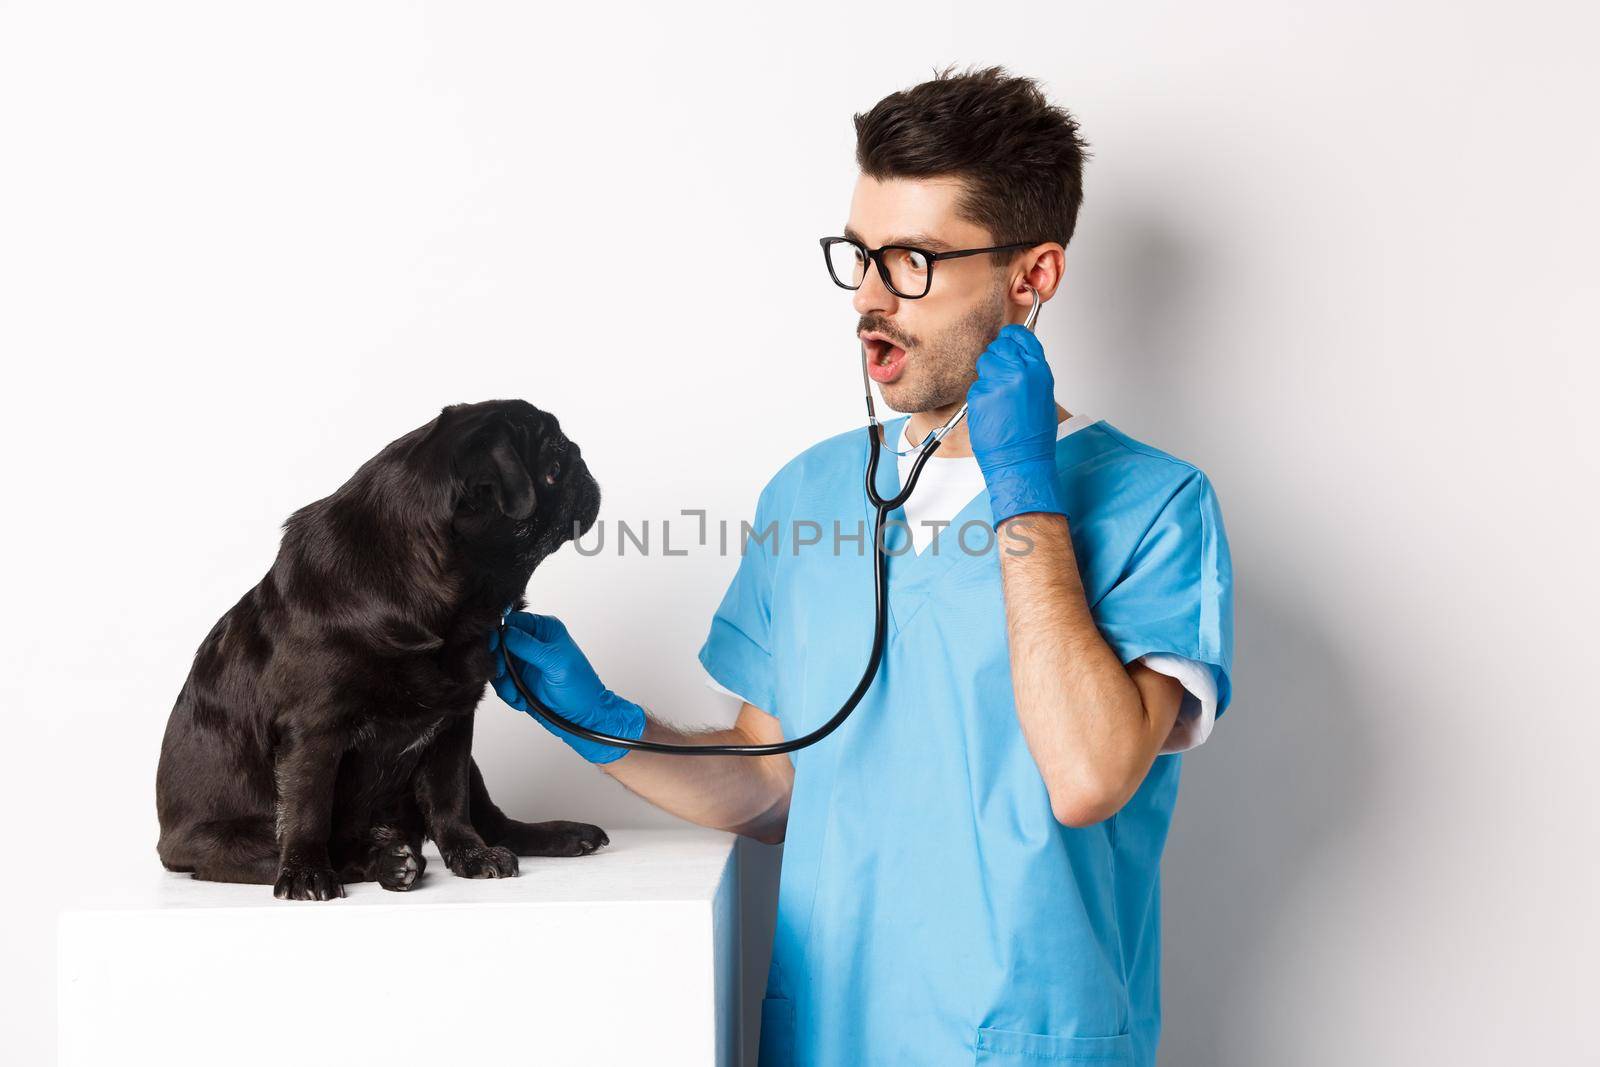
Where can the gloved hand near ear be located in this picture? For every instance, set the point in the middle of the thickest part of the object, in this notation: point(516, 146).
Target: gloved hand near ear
point(556, 672)
point(1011, 422)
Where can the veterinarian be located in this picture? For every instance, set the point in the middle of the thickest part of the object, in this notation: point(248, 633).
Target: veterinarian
point(970, 871)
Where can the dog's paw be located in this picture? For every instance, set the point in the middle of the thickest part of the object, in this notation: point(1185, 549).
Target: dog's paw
point(555, 838)
point(301, 882)
point(399, 867)
point(484, 862)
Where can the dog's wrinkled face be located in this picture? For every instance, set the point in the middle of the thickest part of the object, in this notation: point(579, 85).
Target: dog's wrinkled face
point(521, 485)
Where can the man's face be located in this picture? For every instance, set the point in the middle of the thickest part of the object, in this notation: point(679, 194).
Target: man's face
point(930, 353)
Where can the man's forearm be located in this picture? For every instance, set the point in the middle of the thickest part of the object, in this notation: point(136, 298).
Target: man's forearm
point(741, 794)
point(1084, 719)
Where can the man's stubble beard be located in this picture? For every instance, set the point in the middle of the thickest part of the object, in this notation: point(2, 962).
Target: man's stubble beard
point(946, 367)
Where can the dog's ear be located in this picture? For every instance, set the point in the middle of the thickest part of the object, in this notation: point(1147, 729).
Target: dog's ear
point(496, 474)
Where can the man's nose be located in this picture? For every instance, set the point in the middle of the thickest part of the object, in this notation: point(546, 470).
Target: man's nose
point(873, 297)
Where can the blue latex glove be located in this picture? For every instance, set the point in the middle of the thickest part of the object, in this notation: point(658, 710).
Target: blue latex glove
point(555, 671)
point(1011, 422)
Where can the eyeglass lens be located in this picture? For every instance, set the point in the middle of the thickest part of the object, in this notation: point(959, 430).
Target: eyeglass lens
point(908, 268)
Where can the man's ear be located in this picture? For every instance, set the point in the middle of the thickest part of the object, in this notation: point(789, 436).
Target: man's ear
point(499, 474)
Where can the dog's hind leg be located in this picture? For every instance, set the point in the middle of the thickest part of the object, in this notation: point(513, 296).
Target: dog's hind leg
point(225, 850)
point(557, 838)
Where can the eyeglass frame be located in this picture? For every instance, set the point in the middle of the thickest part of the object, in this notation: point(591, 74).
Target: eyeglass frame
point(876, 256)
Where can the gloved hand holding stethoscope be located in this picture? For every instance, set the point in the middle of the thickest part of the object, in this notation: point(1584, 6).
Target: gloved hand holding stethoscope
point(1011, 423)
point(550, 664)
point(1011, 409)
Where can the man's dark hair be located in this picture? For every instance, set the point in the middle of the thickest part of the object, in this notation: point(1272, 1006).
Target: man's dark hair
point(1020, 158)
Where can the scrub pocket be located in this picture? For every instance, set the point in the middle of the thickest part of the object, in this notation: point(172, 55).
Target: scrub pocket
point(1013, 1048)
point(777, 1032)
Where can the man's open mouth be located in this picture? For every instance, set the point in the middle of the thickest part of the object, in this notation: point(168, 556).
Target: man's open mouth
point(884, 360)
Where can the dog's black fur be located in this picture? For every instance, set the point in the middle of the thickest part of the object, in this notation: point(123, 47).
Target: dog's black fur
point(325, 727)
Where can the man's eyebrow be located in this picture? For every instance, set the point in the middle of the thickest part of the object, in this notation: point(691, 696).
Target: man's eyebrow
point(920, 240)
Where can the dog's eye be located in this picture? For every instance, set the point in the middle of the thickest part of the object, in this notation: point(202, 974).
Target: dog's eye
point(552, 472)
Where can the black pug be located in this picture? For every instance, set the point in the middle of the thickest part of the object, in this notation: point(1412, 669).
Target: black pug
point(325, 727)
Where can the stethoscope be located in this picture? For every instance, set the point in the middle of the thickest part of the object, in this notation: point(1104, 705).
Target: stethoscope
point(880, 582)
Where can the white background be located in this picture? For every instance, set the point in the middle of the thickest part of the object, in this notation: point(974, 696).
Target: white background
point(1344, 260)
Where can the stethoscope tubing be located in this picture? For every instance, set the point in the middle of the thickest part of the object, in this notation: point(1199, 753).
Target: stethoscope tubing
point(880, 584)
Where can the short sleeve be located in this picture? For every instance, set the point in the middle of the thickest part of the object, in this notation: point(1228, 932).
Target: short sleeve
point(717, 687)
point(737, 652)
point(1197, 714)
point(1174, 596)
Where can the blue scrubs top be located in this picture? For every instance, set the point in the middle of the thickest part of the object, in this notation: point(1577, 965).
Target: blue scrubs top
point(931, 910)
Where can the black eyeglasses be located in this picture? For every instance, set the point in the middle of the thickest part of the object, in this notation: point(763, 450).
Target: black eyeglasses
point(906, 271)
